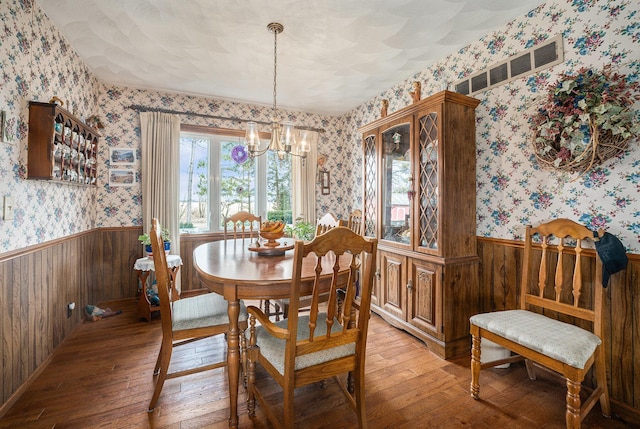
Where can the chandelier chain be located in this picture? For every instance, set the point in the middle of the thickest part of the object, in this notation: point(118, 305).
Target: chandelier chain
point(283, 135)
point(275, 68)
point(275, 30)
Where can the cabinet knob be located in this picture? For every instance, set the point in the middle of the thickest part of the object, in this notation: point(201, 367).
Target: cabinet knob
point(377, 273)
point(410, 285)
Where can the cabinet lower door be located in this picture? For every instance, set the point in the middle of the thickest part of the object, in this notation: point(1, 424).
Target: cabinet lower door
point(393, 283)
point(423, 297)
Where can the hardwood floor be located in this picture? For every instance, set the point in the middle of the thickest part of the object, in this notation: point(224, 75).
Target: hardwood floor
point(100, 377)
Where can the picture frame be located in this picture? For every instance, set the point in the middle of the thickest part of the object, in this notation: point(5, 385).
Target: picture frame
point(325, 183)
point(122, 156)
point(3, 118)
point(121, 177)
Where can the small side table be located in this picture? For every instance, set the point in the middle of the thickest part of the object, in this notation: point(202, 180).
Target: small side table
point(144, 266)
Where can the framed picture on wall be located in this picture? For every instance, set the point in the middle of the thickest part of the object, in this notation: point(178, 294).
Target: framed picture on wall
point(325, 183)
point(122, 156)
point(121, 177)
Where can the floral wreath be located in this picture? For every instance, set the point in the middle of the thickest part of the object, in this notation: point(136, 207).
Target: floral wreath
point(585, 119)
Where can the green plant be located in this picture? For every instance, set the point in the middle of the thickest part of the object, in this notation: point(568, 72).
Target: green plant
point(301, 230)
point(166, 237)
point(283, 215)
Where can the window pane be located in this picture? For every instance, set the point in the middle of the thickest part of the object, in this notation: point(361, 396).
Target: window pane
point(237, 182)
point(194, 179)
point(279, 186)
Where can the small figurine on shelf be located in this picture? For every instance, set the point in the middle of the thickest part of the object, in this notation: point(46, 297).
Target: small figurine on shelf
point(56, 100)
point(95, 122)
point(415, 94)
point(384, 106)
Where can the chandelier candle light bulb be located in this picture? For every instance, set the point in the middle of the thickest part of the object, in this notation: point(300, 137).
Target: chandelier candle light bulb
point(283, 135)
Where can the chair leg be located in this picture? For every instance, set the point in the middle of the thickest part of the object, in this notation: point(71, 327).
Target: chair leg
point(276, 307)
point(573, 404)
point(475, 367)
point(531, 369)
point(289, 414)
point(601, 376)
point(361, 411)
point(156, 369)
point(164, 358)
point(251, 368)
point(243, 358)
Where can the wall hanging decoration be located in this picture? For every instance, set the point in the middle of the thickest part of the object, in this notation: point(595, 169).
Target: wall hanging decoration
point(585, 119)
point(119, 156)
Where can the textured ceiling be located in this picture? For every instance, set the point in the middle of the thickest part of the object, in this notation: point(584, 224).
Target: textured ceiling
point(332, 56)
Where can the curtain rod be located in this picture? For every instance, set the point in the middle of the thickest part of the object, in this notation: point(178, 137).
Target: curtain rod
point(140, 108)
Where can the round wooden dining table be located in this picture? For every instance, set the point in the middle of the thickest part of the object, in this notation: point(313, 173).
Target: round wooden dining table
point(229, 268)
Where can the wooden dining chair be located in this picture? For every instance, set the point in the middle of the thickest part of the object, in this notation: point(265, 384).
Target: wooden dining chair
point(240, 222)
point(354, 222)
point(559, 322)
point(186, 320)
point(326, 222)
point(307, 348)
point(235, 226)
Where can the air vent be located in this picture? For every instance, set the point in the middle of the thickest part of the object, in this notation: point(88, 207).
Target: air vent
point(516, 66)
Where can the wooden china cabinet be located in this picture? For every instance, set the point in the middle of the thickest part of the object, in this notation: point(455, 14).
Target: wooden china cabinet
point(420, 202)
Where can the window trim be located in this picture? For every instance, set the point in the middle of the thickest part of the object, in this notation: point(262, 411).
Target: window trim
point(214, 176)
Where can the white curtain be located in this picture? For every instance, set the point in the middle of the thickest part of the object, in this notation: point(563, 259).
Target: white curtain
point(304, 181)
point(160, 134)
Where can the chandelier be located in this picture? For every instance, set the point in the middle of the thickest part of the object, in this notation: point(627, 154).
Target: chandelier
point(283, 135)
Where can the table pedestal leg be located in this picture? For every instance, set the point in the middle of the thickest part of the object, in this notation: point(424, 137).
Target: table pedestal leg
point(233, 361)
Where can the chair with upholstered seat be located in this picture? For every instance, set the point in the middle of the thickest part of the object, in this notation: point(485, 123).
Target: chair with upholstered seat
point(186, 320)
point(307, 348)
point(559, 322)
point(324, 224)
point(240, 222)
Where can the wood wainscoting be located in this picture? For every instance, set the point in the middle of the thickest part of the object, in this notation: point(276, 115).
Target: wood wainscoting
point(92, 267)
point(38, 282)
point(500, 272)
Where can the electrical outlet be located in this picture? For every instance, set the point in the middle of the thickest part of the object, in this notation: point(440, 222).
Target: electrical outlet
point(7, 213)
point(70, 308)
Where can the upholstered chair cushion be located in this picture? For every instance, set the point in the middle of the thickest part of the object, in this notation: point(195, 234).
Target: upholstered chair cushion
point(562, 341)
point(272, 348)
point(202, 311)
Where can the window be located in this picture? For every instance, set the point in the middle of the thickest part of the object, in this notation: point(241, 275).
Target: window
point(213, 185)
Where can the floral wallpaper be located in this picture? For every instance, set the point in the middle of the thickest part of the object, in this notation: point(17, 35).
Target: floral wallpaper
point(37, 63)
point(121, 206)
point(512, 190)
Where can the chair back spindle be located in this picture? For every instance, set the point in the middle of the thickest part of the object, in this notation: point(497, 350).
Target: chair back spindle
point(240, 222)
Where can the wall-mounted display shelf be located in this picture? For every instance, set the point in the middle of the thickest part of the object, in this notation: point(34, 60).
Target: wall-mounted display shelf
point(62, 148)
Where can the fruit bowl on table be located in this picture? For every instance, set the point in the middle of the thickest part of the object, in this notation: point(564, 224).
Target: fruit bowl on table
point(271, 237)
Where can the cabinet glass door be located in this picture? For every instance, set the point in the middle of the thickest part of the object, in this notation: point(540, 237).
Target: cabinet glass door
point(370, 186)
point(428, 196)
point(396, 184)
